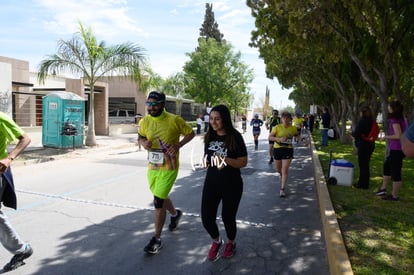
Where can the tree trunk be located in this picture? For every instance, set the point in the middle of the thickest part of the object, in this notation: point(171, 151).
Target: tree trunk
point(90, 136)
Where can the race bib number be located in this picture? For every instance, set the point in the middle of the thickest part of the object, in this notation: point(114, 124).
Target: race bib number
point(156, 157)
point(255, 124)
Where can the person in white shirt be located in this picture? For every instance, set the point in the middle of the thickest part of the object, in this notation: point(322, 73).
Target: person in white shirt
point(206, 122)
point(199, 122)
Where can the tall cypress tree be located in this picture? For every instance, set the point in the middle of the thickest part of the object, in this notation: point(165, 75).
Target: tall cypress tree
point(210, 28)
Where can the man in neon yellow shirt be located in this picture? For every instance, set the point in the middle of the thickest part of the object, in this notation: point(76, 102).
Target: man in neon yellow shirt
point(160, 133)
point(10, 131)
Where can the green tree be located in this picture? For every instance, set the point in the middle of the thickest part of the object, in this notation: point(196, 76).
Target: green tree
point(150, 80)
point(84, 56)
point(215, 73)
point(209, 28)
point(374, 35)
point(175, 85)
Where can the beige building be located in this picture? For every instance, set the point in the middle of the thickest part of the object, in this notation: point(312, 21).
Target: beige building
point(21, 95)
point(117, 99)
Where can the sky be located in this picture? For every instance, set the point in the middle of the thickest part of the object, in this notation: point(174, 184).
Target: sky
point(166, 29)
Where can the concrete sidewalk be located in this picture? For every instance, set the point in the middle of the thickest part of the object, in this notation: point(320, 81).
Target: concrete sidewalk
point(296, 235)
point(37, 153)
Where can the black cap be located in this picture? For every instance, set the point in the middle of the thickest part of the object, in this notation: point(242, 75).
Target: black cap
point(157, 96)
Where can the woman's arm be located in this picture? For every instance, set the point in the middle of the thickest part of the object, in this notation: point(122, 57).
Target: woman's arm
point(397, 132)
point(239, 162)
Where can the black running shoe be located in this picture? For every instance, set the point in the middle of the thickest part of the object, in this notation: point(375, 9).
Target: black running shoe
point(391, 198)
point(154, 246)
point(175, 220)
point(17, 259)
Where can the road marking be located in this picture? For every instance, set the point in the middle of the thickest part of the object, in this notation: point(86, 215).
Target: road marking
point(135, 207)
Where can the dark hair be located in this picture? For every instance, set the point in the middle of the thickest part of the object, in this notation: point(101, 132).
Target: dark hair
point(230, 141)
point(366, 112)
point(397, 110)
point(287, 114)
point(158, 96)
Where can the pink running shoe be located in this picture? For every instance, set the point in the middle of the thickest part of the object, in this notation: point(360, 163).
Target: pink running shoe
point(229, 250)
point(213, 253)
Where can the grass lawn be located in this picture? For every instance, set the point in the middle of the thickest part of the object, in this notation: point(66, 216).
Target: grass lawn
point(378, 234)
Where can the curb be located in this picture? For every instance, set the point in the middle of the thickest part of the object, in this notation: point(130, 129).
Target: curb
point(338, 258)
point(55, 153)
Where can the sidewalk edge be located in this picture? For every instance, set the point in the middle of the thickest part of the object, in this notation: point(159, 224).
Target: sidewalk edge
point(338, 258)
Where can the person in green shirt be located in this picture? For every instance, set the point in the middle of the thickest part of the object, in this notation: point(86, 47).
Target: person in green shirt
point(270, 124)
point(160, 133)
point(10, 131)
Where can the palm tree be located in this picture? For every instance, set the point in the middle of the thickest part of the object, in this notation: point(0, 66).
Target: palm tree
point(85, 57)
point(150, 80)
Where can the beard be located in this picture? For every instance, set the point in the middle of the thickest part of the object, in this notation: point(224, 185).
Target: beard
point(155, 113)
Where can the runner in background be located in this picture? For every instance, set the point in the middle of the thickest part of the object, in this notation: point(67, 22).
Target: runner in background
point(283, 135)
point(244, 123)
point(270, 123)
point(256, 123)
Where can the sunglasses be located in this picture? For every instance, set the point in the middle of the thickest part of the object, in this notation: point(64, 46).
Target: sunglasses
point(154, 103)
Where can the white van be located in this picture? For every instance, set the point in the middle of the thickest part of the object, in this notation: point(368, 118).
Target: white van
point(121, 117)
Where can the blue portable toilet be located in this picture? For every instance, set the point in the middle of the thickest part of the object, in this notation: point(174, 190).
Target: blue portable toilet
point(63, 120)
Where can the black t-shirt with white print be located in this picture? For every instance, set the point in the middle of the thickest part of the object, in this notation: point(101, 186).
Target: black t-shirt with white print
point(216, 152)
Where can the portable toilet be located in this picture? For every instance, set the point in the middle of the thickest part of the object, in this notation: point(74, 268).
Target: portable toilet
point(63, 120)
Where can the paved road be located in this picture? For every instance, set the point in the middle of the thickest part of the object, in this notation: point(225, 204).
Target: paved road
point(90, 212)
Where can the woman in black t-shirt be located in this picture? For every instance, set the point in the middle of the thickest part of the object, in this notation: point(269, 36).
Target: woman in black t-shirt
point(226, 153)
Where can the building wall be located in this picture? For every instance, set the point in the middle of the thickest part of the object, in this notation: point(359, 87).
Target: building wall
point(101, 109)
point(6, 88)
point(20, 77)
point(20, 69)
point(75, 86)
point(124, 87)
point(51, 82)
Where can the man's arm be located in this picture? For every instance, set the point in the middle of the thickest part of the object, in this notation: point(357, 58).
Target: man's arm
point(172, 150)
point(186, 139)
point(24, 141)
point(267, 123)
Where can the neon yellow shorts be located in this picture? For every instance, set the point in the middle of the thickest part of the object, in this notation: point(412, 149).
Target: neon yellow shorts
point(161, 182)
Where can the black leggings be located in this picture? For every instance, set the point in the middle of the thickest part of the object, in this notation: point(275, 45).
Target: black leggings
point(365, 150)
point(229, 193)
point(393, 165)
